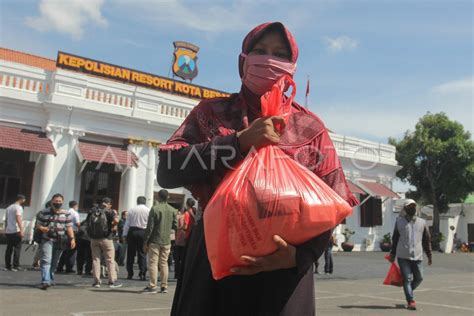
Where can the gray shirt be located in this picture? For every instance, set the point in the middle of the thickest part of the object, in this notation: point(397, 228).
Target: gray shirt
point(411, 238)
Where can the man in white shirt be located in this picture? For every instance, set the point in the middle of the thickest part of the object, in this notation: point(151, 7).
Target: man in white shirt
point(134, 232)
point(14, 233)
point(68, 257)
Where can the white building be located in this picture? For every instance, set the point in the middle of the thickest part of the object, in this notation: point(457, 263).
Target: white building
point(86, 136)
point(459, 219)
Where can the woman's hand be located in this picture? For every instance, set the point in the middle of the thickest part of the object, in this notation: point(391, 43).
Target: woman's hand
point(283, 258)
point(261, 132)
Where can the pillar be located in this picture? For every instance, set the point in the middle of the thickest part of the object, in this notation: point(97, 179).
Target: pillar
point(46, 181)
point(71, 166)
point(130, 184)
point(150, 174)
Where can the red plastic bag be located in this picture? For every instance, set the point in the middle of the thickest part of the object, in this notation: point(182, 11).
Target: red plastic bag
point(394, 276)
point(267, 194)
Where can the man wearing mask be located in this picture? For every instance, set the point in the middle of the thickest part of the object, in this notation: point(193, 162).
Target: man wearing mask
point(55, 225)
point(14, 233)
point(410, 238)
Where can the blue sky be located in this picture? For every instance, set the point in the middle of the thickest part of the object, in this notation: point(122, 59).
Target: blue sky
point(375, 66)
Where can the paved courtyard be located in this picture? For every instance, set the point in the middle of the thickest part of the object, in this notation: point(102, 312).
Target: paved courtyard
point(354, 289)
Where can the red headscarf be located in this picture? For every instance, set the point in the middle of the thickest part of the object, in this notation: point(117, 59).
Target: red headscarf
point(305, 137)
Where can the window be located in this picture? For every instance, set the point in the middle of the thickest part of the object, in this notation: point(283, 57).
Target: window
point(16, 176)
point(371, 212)
point(99, 183)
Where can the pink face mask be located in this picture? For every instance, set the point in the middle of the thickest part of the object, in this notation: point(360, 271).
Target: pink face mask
point(262, 71)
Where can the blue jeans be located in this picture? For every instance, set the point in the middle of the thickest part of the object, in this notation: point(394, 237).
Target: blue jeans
point(412, 274)
point(49, 261)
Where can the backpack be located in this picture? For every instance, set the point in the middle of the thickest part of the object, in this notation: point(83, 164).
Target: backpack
point(97, 224)
point(82, 232)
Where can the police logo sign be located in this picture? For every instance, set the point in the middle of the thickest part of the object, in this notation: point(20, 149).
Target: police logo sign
point(185, 58)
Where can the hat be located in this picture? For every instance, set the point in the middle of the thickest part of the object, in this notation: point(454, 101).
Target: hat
point(408, 202)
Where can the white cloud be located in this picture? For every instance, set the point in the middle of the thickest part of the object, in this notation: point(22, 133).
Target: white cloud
point(214, 17)
point(341, 43)
point(465, 85)
point(68, 17)
point(201, 16)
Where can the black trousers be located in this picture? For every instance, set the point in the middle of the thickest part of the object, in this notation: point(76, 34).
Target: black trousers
point(13, 246)
point(84, 256)
point(68, 259)
point(135, 241)
point(178, 260)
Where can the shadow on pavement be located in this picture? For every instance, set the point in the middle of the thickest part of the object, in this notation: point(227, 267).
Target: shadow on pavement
point(381, 307)
point(115, 291)
point(18, 285)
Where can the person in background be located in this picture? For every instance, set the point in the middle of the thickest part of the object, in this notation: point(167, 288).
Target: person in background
point(190, 217)
point(180, 242)
point(122, 245)
point(37, 239)
point(328, 262)
point(410, 238)
point(55, 224)
point(68, 257)
point(457, 243)
point(14, 233)
point(161, 221)
point(316, 267)
point(84, 253)
point(172, 256)
point(134, 231)
point(101, 224)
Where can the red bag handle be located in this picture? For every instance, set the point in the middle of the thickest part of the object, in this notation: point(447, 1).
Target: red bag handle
point(272, 101)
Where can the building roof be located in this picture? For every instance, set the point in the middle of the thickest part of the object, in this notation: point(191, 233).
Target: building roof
point(355, 188)
point(27, 59)
point(26, 140)
point(106, 153)
point(378, 189)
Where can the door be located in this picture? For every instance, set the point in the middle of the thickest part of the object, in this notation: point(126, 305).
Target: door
point(470, 233)
point(98, 183)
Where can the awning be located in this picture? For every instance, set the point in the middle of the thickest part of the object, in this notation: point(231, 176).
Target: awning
point(355, 188)
point(378, 189)
point(26, 140)
point(106, 153)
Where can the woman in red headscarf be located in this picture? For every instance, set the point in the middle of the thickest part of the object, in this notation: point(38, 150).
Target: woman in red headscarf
point(215, 136)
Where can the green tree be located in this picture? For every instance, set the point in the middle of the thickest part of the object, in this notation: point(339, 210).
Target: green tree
point(438, 160)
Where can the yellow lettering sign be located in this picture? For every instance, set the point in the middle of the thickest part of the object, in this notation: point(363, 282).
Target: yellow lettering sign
point(134, 77)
